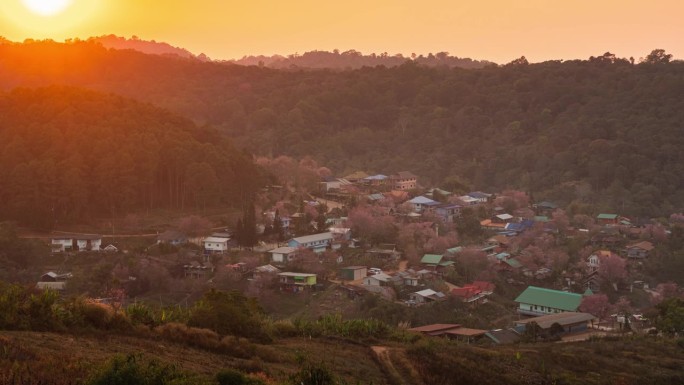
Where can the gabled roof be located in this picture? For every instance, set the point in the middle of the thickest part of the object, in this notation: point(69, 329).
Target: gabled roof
point(514, 263)
point(267, 269)
point(551, 298)
point(313, 238)
point(563, 319)
point(607, 216)
point(283, 250)
point(503, 336)
point(505, 217)
point(215, 239)
point(421, 200)
point(479, 195)
point(291, 274)
point(431, 259)
point(356, 175)
point(426, 292)
point(404, 175)
point(643, 245)
point(484, 285)
point(434, 328)
point(376, 177)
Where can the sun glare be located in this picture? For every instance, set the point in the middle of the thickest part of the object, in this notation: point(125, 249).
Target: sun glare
point(46, 7)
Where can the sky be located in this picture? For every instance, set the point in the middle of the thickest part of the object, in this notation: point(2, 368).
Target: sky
point(496, 30)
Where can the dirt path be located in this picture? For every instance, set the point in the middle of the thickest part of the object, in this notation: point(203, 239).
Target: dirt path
point(394, 377)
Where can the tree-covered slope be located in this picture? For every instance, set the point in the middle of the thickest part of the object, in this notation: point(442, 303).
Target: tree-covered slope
point(601, 131)
point(68, 154)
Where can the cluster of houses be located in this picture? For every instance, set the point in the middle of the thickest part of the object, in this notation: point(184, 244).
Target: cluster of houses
point(554, 313)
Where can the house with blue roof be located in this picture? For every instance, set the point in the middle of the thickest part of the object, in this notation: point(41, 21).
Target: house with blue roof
point(420, 203)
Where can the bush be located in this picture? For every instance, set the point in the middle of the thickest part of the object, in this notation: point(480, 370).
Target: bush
point(132, 370)
point(233, 377)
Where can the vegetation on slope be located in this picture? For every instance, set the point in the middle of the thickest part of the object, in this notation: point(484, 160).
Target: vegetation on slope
point(602, 131)
point(69, 154)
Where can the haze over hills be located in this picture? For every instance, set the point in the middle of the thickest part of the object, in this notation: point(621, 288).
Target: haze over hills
point(602, 131)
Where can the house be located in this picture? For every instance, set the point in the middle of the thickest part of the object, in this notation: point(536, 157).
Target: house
point(544, 208)
point(468, 200)
point(215, 245)
point(283, 254)
point(571, 322)
point(607, 219)
point(434, 329)
point(341, 233)
point(375, 180)
point(420, 203)
point(503, 336)
point(53, 281)
point(502, 218)
point(110, 249)
point(316, 242)
point(265, 270)
point(466, 335)
point(537, 301)
point(381, 279)
point(296, 282)
point(425, 296)
point(640, 250)
point(435, 260)
point(447, 212)
point(198, 270)
point(468, 294)
point(172, 237)
point(356, 177)
point(487, 288)
point(353, 273)
point(403, 180)
point(480, 196)
point(80, 242)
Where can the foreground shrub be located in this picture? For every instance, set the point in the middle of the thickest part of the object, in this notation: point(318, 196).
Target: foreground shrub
point(133, 370)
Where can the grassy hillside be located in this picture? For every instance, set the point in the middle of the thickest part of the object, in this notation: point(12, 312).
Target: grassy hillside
point(31, 358)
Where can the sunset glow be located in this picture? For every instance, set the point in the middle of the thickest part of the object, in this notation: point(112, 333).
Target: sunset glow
point(46, 7)
point(497, 30)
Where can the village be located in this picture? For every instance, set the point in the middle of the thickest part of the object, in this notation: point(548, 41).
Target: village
point(500, 261)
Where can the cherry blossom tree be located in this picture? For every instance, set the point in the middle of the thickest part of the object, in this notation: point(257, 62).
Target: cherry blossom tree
point(612, 269)
point(597, 305)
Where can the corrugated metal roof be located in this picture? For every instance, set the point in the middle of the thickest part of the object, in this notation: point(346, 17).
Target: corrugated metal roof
point(551, 298)
point(431, 259)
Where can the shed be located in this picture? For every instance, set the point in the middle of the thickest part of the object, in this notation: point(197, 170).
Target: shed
point(353, 273)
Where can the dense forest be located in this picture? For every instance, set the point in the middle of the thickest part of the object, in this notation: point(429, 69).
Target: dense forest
point(353, 59)
point(70, 154)
point(604, 131)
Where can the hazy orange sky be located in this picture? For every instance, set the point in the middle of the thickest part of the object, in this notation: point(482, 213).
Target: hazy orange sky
point(497, 30)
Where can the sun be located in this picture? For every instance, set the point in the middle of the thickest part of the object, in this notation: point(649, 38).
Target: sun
point(47, 7)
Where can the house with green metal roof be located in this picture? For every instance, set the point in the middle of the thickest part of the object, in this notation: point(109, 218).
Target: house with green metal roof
point(537, 301)
point(435, 260)
point(607, 219)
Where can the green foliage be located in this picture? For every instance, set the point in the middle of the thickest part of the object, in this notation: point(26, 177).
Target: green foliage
point(334, 325)
point(313, 373)
point(112, 155)
point(233, 377)
point(228, 313)
point(671, 316)
point(133, 370)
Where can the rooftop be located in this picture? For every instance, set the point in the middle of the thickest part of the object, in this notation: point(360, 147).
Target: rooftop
point(313, 238)
point(563, 319)
point(550, 298)
point(291, 274)
point(283, 250)
point(431, 259)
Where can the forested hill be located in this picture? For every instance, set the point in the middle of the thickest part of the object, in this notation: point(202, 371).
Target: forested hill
point(69, 154)
point(354, 60)
point(600, 131)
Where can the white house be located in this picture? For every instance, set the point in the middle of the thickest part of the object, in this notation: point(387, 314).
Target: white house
point(316, 242)
point(283, 254)
point(420, 203)
point(84, 242)
point(215, 245)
